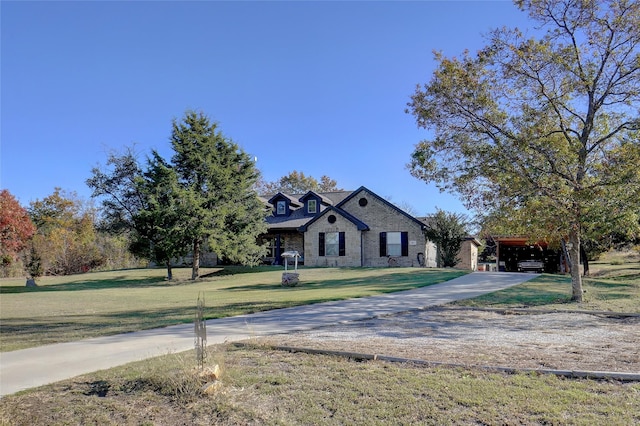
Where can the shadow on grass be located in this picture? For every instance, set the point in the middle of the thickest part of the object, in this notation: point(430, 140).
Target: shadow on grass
point(115, 282)
point(125, 281)
point(388, 283)
point(20, 333)
point(543, 290)
point(628, 278)
point(235, 270)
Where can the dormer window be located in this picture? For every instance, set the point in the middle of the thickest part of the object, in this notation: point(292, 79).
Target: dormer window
point(281, 207)
point(312, 206)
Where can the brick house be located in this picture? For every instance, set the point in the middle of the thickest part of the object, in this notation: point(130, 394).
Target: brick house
point(345, 228)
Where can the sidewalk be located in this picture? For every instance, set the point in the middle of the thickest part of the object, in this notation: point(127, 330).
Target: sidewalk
point(42, 365)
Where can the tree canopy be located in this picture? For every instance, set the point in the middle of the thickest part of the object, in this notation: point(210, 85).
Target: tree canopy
point(203, 196)
point(66, 238)
point(297, 183)
point(447, 230)
point(543, 130)
point(16, 228)
point(219, 178)
point(144, 203)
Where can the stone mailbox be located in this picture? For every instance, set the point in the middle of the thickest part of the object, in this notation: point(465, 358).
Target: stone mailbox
point(290, 279)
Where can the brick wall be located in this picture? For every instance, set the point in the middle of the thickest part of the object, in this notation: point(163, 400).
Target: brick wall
point(382, 217)
point(468, 256)
point(351, 239)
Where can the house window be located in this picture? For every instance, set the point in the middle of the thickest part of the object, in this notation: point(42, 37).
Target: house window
point(331, 244)
point(312, 206)
point(281, 207)
point(394, 244)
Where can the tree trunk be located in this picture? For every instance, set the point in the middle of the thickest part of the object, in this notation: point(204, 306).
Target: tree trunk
point(169, 270)
point(574, 254)
point(195, 269)
point(585, 260)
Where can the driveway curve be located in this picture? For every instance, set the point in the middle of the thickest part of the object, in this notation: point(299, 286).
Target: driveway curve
point(28, 368)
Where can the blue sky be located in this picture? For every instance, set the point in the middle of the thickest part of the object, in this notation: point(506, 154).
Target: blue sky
point(318, 87)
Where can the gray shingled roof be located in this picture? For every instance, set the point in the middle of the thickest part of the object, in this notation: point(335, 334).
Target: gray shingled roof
point(297, 217)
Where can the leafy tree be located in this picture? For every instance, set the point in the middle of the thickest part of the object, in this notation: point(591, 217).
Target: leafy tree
point(117, 185)
point(16, 228)
point(219, 179)
point(543, 130)
point(298, 183)
point(65, 241)
point(448, 231)
point(147, 205)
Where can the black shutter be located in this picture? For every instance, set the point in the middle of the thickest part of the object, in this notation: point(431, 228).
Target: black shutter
point(383, 244)
point(341, 247)
point(404, 240)
point(321, 244)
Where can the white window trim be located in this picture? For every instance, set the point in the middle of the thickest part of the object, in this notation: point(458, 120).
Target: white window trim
point(394, 248)
point(315, 206)
point(336, 244)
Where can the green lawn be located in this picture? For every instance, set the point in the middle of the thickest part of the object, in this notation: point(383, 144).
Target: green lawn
point(612, 286)
point(70, 308)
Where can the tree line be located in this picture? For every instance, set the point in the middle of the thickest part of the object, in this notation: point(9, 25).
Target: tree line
point(56, 236)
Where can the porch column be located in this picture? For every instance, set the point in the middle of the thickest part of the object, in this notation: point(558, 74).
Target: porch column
point(278, 251)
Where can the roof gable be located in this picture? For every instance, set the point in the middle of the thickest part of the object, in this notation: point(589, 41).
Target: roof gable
point(360, 225)
point(280, 196)
point(383, 201)
point(309, 194)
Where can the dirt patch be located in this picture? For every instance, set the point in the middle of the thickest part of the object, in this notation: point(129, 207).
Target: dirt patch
point(565, 341)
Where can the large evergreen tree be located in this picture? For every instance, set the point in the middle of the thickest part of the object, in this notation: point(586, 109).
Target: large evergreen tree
point(162, 224)
point(544, 131)
point(219, 177)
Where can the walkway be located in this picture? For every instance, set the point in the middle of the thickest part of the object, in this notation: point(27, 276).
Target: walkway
point(28, 368)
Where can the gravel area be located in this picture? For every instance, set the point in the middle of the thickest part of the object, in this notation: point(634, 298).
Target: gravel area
point(565, 341)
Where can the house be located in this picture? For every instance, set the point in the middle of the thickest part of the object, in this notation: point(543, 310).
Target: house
point(345, 228)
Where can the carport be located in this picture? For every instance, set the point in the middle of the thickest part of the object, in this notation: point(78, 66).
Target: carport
point(511, 250)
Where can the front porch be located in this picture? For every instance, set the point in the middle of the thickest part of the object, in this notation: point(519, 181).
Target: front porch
point(280, 241)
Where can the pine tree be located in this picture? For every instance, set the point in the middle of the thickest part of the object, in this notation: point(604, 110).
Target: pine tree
point(219, 178)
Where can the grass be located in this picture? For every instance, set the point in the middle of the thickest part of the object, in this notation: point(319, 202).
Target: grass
point(613, 285)
point(262, 386)
point(280, 388)
point(64, 309)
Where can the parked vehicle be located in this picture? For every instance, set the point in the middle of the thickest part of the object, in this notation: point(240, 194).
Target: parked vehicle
point(531, 265)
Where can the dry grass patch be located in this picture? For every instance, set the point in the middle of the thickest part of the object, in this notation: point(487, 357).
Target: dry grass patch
point(272, 387)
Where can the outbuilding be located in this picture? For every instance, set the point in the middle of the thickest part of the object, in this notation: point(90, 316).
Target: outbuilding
point(519, 254)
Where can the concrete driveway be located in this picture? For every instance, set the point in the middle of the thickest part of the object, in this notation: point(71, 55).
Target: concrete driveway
point(28, 368)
